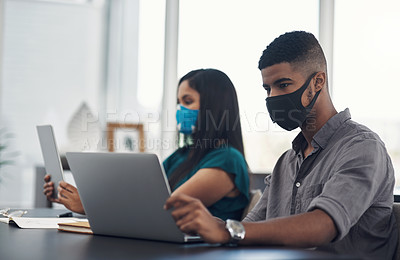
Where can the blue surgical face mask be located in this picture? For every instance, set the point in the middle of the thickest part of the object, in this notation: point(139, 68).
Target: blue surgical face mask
point(186, 119)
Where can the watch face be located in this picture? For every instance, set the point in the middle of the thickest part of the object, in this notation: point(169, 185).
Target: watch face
point(236, 229)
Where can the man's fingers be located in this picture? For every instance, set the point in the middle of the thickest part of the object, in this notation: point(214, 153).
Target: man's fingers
point(177, 200)
point(187, 212)
point(190, 216)
point(190, 227)
point(175, 205)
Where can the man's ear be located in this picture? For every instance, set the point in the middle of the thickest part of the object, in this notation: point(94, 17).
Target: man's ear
point(320, 81)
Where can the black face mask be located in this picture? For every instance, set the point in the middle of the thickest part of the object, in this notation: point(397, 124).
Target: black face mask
point(287, 110)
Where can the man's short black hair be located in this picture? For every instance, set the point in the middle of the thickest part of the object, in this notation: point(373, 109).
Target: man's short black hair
point(300, 49)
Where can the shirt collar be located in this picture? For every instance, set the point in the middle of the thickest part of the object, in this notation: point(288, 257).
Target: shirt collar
point(321, 138)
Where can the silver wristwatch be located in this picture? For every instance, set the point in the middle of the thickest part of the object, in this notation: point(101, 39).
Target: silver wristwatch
point(236, 230)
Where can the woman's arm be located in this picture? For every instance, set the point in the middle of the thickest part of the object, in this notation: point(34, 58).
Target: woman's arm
point(209, 185)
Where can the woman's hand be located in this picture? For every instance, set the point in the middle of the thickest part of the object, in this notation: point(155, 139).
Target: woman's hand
point(209, 185)
point(68, 196)
point(192, 217)
point(48, 189)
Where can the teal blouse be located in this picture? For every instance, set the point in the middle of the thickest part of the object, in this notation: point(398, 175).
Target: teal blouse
point(231, 161)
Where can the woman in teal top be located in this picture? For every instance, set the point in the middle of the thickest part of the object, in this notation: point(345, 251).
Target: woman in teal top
point(229, 160)
point(210, 165)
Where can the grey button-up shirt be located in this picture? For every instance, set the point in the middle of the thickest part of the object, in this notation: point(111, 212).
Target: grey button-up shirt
point(349, 175)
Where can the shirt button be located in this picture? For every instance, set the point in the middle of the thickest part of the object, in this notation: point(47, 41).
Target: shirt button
point(298, 184)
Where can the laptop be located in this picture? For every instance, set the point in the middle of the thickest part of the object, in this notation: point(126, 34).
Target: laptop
point(123, 194)
point(51, 157)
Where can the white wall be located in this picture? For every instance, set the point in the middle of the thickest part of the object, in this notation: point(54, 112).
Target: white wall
point(53, 60)
point(60, 53)
point(1, 42)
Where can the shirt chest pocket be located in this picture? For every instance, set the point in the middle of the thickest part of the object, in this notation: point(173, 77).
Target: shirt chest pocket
point(305, 195)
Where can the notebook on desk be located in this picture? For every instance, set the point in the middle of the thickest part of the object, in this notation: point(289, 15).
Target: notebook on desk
point(123, 194)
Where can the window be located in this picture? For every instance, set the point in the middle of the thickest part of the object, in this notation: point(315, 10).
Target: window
point(230, 36)
point(53, 60)
point(135, 67)
point(366, 66)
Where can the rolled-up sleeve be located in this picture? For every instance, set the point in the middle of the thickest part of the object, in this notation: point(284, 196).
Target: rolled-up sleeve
point(354, 184)
point(259, 212)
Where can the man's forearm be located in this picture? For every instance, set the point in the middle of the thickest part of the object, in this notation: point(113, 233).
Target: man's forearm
point(304, 230)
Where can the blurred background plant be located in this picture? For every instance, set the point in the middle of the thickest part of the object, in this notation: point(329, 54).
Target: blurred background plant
point(7, 156)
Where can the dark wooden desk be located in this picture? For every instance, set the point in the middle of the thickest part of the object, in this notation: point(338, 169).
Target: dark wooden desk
point(16, 243)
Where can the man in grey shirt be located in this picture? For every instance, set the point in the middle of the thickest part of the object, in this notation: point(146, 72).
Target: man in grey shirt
point(333, 189)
